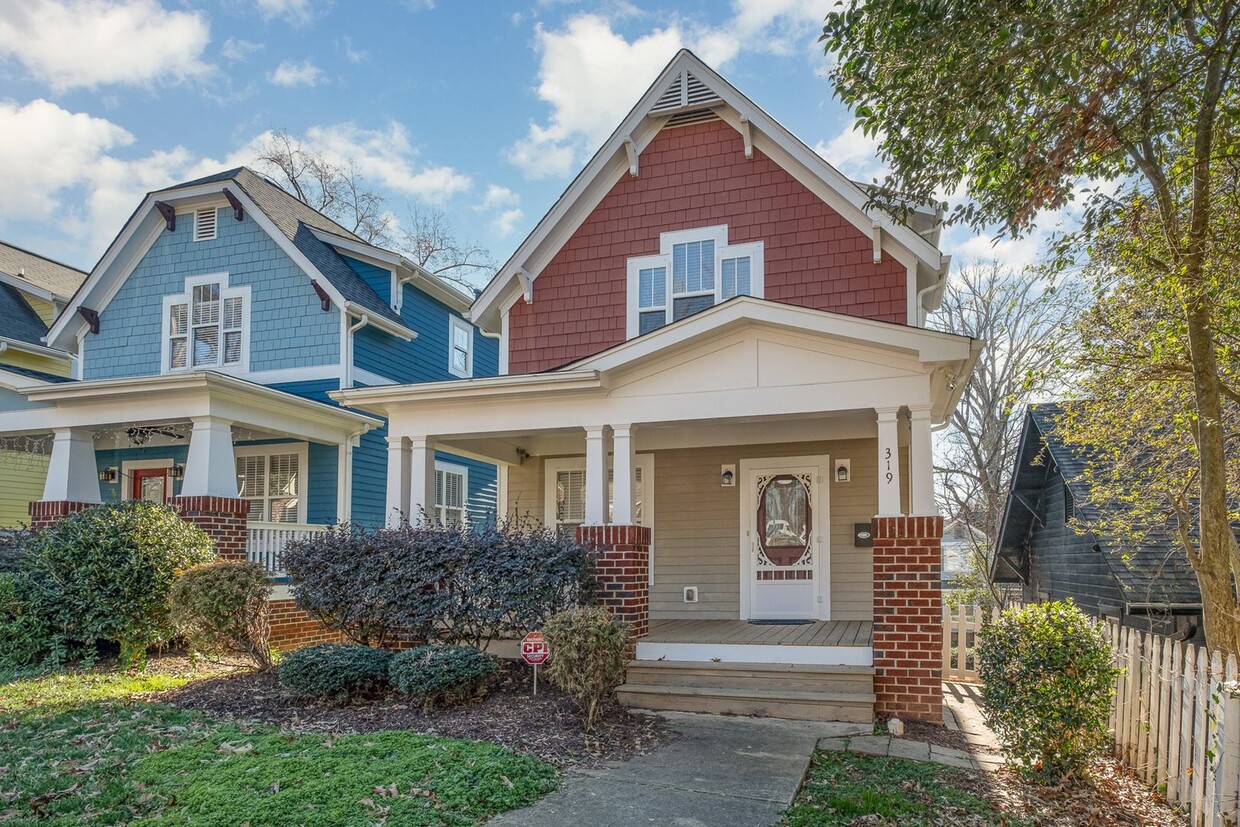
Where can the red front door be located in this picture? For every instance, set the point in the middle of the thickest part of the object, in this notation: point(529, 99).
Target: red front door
point(150, 484)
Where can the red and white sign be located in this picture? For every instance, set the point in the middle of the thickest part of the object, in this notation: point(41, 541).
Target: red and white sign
point(535, 649)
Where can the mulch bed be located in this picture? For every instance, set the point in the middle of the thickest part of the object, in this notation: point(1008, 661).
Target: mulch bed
point(935, 734)
point(547, 726)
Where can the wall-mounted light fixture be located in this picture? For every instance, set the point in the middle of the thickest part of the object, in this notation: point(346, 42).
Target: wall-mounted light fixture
point(843, 470)
point(727, 476)
point(108, 474)
point(177, 472)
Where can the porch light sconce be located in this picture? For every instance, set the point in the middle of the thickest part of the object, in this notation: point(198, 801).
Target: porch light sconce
point(843, 470)
point(727, 476)
point(177, 472)
point(108, 475)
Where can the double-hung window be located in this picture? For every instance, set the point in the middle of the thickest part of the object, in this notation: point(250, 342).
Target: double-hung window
point(207, 326)
point(451, 493)
point(694, 270)
point(460, 348)
point(271, 478)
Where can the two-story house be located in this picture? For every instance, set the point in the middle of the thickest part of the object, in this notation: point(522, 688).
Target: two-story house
point(33, 290)
point(714, 367)
point(205, 343)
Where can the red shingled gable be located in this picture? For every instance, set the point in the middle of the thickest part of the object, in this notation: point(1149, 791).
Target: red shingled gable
point(698, 176)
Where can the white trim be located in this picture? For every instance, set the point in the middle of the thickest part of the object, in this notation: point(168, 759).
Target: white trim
point(822, 529)
point(504, 327)
point(242, 292)
point(126, 484)
point(371, 379)
point(461, 471)
point(456, 323)
point(756, 653)
point(302, 450)
point(20, 284)
point(19, 381)
point(35, 350)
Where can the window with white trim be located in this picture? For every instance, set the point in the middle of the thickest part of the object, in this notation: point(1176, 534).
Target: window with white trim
point(207, 326)
point(205, 225)
point(460, 347)
point(694, 270)
point(271, 478)
point(451, 493)
point(566, 493)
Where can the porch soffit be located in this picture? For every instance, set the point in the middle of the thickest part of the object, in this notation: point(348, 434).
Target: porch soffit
point(113, 402)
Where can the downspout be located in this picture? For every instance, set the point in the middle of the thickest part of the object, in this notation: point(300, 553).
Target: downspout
point(348, 357)
point(344, 508)
point(944, 265)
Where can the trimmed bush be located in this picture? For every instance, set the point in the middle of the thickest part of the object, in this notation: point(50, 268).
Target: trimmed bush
point(24, 639)
point(335, 671)
point(221, 610)
point(1049, 678)
point(104, 573)
point(587, 656)
point(442, 674)
point(452, 584)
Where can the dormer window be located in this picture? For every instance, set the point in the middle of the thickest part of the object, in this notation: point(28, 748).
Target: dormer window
point(207, 326)
point(695, 270)
point(205, 224)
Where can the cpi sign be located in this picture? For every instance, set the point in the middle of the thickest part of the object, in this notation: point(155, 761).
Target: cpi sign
point(534, 649)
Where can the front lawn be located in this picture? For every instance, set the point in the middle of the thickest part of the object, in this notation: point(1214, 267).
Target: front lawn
point(87, 748)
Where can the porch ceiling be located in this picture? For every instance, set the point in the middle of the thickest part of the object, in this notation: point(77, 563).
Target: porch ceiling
point(120, 404)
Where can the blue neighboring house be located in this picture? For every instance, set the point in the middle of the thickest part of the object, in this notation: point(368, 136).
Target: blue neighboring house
point(205, 343)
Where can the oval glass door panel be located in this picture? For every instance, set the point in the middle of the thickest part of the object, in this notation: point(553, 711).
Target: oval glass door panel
point(785, 520)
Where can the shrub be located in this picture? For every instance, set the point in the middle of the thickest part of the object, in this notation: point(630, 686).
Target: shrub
point(442, 674)
point(335, 671)
point(587, 656)
point(104, 573)
point(221, 609)
point(454, 584)
point(24, 639)
point(1049, 677)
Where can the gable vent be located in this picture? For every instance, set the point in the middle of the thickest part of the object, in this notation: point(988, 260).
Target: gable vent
point(204, 224)
point(684, 90)
point(691, 117)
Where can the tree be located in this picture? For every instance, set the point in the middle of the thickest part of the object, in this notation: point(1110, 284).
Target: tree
point(1015, 105)
point(1027, 327)
point(337, 189)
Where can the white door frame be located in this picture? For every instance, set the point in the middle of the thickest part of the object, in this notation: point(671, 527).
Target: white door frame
point(822, 529)
point(129, 465)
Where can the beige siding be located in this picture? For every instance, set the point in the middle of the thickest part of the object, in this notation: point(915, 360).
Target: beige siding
point(56, 367)
point(525, 489)
point(21, 480)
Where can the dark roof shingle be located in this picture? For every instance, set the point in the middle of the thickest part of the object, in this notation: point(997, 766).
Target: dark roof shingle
point(18, 319)
point(42, 272)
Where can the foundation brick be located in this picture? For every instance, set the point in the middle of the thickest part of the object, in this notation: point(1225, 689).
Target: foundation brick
point(622, 554)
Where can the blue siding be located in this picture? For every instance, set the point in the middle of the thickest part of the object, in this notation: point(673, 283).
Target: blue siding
point(288, 328)
point(483, 487)
point(370, 479)
point(321, 484)
point(113, 457)
point(316, 389)
point(379, 279)
point(425, 359)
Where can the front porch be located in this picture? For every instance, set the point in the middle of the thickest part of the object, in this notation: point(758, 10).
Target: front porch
point(822, 642)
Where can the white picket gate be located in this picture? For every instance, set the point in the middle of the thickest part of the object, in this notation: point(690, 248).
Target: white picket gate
point(961, 624)
point(1177, 723)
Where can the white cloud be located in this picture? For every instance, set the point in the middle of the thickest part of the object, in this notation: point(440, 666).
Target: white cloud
point(236, 49)
point(351, 54)
point(854, 153)
point(70, 44)
point(505, 209)
point(297, 12)
point(591, 75)
point(291, 74)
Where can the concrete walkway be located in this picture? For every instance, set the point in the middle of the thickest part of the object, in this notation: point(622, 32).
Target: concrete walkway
point(719, 772)
point(962, 704)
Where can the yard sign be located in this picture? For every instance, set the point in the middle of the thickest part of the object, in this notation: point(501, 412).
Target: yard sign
point(535, 650)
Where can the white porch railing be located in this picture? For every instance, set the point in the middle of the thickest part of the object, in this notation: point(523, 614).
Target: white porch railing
point(265, 541)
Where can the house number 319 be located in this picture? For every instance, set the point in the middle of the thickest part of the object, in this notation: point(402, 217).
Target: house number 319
point(887, 456)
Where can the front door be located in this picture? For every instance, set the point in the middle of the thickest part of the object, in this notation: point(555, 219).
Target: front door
point(150, 484)
point(785, 523)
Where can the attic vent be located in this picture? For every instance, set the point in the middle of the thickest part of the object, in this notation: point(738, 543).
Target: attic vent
point(691, 117)
point(204, 224)
point(685, 90)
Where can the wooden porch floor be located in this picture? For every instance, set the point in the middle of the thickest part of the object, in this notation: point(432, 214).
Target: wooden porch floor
point(734, 632)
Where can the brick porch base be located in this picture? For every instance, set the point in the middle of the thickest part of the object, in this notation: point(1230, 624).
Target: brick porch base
point(623, 574)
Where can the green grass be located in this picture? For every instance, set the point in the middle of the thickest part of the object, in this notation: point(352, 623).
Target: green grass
point(85, 749)
point(842, 788)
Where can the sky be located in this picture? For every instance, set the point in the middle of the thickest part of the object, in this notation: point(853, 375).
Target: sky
point(482, 109)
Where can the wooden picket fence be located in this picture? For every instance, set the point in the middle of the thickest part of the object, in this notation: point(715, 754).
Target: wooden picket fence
point(1177, 723)
point(961, 623)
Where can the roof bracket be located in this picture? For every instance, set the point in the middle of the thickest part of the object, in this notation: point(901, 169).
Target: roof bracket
point(238, 210)
point(630, 149)
point(323, 297)
point(877, 234)
point(91, 317)
point(527, 285)
point(169, 213)
point(748, 136)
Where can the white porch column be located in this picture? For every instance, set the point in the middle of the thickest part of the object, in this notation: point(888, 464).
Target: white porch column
point(71, 472)
point(888, 463)
point(596, 475)
point(397, 505)
point(622, 499)
point(921, 464)
point(210, 467)
point(421, 478)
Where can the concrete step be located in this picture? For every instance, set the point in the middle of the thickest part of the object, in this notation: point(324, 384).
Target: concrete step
point(755, 676)
point(850, 707)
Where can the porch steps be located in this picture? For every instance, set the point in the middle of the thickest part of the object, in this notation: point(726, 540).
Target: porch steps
point(768, 690)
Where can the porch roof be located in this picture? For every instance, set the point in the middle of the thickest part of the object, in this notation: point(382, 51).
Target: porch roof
point(182, 396)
